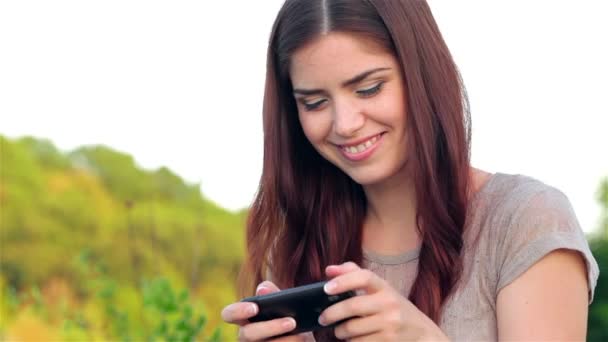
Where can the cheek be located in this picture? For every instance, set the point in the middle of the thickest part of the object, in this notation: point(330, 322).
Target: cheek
point(315, 128)
point(307, 128)
point(396, 108)
point(394, 113)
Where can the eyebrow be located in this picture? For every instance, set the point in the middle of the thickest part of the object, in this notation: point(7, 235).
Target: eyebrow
point(345, 84)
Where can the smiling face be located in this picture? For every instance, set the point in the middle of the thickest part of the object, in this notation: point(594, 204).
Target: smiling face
point(351, 104)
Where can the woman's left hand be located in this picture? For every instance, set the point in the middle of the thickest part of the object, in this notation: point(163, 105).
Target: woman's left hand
point(379, 314)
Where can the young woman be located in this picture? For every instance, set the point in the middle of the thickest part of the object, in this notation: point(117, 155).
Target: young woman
point(367, 181)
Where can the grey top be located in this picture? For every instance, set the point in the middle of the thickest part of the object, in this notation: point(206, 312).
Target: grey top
point(513, 221)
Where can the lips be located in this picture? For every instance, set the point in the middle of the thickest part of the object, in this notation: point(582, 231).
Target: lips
point(361, 149)
point(361, 146)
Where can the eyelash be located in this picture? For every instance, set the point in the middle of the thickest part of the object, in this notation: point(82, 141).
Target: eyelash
point(369, 92)
point(313, 106)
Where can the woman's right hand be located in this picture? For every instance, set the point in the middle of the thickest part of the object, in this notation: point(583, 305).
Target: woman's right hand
point(239, 313)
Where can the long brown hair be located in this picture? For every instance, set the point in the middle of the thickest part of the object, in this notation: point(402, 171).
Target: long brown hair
point(307, 213)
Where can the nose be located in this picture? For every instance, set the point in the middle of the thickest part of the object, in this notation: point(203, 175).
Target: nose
point(348, 118)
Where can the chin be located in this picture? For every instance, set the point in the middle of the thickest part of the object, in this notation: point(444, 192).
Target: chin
point(366, 182)
point(367, 178)
point(377, 175)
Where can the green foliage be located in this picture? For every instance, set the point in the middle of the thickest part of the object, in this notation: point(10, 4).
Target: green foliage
point(45, 153)
point(117, 171)
point(598, 312)
point(175, 319)
point(166, 315)
point(19, 167)
point(141, 232)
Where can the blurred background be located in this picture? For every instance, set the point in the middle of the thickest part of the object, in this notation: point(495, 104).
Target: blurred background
point(131, 147)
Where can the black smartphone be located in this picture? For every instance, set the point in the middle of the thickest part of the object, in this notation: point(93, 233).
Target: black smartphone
point(303, 303)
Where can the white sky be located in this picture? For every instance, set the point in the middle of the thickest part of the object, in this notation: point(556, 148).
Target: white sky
point(179, 83)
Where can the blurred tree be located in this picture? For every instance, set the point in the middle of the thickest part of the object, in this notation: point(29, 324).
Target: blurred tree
point(46, 153)
point(117, 171)
point(56, 204)
point(598, 312)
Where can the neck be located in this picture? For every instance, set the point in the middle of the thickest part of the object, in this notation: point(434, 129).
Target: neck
point(390, 223)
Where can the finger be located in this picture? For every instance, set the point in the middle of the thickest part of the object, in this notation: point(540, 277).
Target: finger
point(368, 338)
point(238, 313)
point(356, 306)
point(263, 330)
point(303, 337)
point(360, 279)
point(266, 287)
point(335, 270)
point(359, 327)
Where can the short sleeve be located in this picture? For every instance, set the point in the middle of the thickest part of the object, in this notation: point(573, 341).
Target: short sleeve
point(543, 221)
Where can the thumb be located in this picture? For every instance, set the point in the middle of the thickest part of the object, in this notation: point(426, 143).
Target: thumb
point(266, 287)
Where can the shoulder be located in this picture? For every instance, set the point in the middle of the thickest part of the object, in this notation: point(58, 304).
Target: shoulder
point(521, 202)
point(517, 191)
point(508, 205)
point(529, 220)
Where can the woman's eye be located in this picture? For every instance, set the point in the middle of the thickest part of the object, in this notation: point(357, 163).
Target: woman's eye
point(313, 105)
point(370, 91)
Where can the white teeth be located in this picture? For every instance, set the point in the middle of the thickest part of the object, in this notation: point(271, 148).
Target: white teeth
point(361, 147)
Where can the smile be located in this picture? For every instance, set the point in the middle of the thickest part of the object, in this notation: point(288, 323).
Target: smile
point(362, 150)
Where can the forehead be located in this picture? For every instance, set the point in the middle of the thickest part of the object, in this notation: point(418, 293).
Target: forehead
point(336, 57)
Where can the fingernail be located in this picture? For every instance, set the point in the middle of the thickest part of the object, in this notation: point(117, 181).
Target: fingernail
point(260, 288)
point(322, 320)
point(329, 287)
point(252, 309)
point(289, 323)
